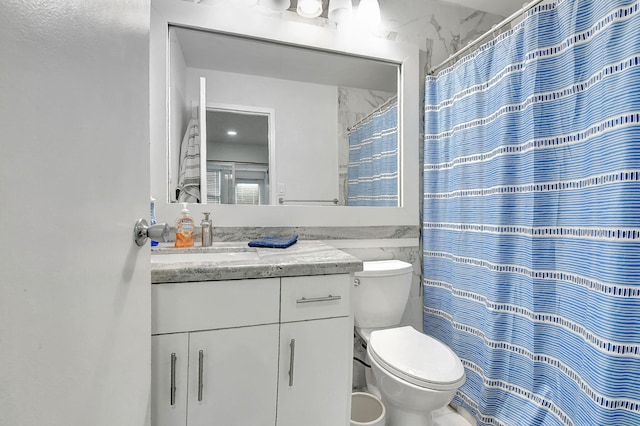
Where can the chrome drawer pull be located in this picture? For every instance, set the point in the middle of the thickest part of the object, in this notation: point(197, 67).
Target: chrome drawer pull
point(292, 356)
point(173, 379)
point(318, 299)
point(200, 365)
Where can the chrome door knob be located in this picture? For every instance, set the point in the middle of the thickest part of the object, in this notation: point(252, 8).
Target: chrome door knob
point(142, 232)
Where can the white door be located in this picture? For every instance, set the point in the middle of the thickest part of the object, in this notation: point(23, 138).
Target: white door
point(315, 372)
point(233, 376)
point(74, 177)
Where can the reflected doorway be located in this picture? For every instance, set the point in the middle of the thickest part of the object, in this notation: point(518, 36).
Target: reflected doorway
point(238, 155)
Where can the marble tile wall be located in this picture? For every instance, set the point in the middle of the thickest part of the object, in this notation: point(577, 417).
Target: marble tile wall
point(438, 29)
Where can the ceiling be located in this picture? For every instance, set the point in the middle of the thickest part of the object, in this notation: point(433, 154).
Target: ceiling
point(252, 129)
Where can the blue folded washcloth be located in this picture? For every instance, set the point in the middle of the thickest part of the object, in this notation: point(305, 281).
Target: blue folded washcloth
point(274, 242)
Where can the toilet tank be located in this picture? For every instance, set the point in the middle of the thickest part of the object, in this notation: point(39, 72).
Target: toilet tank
point(381, 293)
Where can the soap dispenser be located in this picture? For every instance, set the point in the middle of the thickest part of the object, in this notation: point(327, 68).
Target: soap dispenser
point(184, 229)
point(207, 230)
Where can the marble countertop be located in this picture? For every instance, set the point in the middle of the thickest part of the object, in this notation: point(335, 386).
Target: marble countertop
point(302, 258)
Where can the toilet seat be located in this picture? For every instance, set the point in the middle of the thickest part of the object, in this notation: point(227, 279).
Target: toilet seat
point(384, 268)
point(417, 358)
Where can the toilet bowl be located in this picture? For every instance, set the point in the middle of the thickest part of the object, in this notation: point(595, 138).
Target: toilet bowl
point(412, 373)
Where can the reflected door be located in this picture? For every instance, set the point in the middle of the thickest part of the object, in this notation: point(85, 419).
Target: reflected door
point(202, 114)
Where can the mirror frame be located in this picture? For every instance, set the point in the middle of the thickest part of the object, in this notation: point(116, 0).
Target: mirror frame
point(233, 21)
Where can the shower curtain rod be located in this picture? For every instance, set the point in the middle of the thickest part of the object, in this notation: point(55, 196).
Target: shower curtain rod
point(493, 29)
point(379, 108)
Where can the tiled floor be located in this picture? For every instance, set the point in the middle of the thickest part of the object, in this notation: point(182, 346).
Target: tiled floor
point(448, 417)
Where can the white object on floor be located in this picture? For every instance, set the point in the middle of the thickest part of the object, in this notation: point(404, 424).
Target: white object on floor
point(366, 410)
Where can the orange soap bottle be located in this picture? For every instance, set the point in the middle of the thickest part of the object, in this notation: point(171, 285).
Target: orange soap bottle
point(184, 229)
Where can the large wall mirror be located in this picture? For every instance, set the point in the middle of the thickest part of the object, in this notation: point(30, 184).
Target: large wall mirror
point(333, 122)
point(265, 113)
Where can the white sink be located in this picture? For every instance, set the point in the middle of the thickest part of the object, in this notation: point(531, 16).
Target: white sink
point(205, 257)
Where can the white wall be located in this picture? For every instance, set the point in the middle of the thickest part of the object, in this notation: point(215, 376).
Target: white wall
point(306, 126)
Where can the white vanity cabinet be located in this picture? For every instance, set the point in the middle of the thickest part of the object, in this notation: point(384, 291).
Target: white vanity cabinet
point(272, 352)
point(215, 353)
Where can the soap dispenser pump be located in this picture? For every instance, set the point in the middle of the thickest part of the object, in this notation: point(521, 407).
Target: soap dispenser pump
point(184, 229)
point(207, 230)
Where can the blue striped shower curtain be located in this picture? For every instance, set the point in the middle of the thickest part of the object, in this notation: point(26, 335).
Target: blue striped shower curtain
point(532, 217)
point(373, 159)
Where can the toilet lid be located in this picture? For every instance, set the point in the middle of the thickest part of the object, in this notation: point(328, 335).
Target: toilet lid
point(416, 358)
point(381, 268)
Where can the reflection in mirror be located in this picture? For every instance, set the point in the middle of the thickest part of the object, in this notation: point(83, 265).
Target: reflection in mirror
point(332, 127)
point(237, 157)
point(373, 158)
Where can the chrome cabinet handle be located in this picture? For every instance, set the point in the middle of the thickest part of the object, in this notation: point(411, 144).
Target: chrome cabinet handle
point(318, 299)
point(173, 378)
point(200, 365)
point(292, 356)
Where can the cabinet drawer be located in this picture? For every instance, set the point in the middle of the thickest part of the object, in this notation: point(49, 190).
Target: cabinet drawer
point(214, 304)
point(318, 296)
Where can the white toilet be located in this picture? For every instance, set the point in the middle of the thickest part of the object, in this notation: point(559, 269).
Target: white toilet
point(413, 374)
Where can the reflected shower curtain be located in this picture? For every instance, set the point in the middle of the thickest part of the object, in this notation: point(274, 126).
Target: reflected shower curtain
point(373, 159)
point(532, 217)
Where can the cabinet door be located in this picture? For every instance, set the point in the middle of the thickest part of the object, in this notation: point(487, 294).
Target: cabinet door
point(233, 376)
point(315, 372)
point(169, 363)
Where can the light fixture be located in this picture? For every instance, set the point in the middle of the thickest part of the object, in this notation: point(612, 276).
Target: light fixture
point(369, 14)
point(232, 132)
point(309, 8)
point(340, 11)
point(275, 5)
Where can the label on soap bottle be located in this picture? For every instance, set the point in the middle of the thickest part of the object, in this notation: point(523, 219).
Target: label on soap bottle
point(186, 227)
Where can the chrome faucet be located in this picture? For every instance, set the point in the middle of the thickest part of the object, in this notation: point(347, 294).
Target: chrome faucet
point(207, 230)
